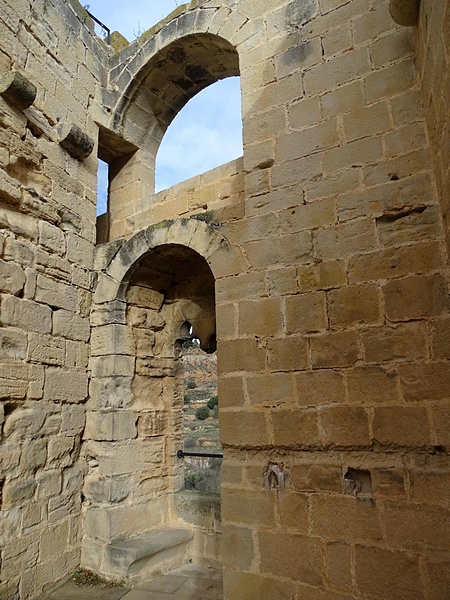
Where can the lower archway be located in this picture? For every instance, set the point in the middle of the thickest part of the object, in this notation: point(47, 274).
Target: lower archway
point(135, 519)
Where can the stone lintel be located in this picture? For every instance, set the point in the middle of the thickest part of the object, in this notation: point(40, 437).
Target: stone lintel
point(405, 12)
point(77, 143)
point(17, 90)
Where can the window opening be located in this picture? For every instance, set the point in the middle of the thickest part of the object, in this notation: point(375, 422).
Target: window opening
point(102, 187)
point(205, 134)
point(200, 419)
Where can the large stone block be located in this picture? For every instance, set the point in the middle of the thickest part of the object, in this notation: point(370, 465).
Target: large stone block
point(397, 574)
point(57, 294)
point(295, 428)
point(335, 349)
point(100, 489)
point(65, 385)
point(345, 426)
point(246, 586)
point(110, 426)
point(12, 278)
point(239, 547)
point(14, 379)
point(296, 557)
point(249, 507)
point(112, 339)
point(46, 349)
point(346, 518)
point(320, 386)
point(395, 426)
point(271, 389)
point(108, 524)
point(354, 305)
point(306, 313)
point(372, 385)
point(26, 314)
point(404, 341)
point(52, 238)
point(70, 325)
point(18, 491)
point(34, 454)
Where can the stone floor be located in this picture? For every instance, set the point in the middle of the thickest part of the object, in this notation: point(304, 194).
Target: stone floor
point(188, 582)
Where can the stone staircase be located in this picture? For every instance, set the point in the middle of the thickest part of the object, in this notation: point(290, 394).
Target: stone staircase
point(147, 553)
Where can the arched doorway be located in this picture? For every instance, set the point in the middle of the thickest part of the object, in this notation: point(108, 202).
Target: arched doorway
point(156, 283)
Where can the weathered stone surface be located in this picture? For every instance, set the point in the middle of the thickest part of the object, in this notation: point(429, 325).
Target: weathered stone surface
point(70, 325)
point(327, 247)
point(77, 143)
point(416, 297)
point(128, 557)
point(112, 339)
point(65, 385)
point(18, 491)
point(117, 425)
point(405, 12)
point(25, 313)
point(13, 345)
point(17, 90)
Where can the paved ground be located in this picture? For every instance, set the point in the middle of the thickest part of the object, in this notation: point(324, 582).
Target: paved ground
point(185, 583)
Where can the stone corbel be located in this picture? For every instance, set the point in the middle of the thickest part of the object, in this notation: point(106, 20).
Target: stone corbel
point(17, 90)
point(77, 143)
point(405, 12)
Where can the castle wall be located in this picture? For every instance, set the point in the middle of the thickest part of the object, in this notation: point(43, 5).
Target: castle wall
point(433, 56)
point(47, 235)
point(328, 249)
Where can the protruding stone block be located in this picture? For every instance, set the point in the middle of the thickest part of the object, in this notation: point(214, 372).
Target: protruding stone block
point(77, 143)
point(405, 12)
point(17, 90)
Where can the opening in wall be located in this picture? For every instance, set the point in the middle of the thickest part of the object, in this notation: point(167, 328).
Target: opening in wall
point(200, 417)
point(112, 158)
point(205, 134)
point(102, 187)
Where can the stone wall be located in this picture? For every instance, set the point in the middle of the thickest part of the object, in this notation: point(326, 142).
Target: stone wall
point(47, 234)
point(327, 245)
point(434, 71)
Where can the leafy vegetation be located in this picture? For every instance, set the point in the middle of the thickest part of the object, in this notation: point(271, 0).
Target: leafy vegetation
point(202, 413)
point(213, 402)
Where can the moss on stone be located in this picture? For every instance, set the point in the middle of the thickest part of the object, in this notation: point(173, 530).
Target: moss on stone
point(118, 41)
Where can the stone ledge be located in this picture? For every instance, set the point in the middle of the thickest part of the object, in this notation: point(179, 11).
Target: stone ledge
point(129, 557)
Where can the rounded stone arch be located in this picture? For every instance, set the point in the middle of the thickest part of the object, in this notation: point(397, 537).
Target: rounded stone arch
point(193, 233)
point(190, 51)
point(133, 424)
point(153, 79)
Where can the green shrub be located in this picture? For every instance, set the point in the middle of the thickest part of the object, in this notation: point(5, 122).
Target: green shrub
point(213, 402)
point(186, 399)
point(191, 384)
point(202, 413)
point(192, 480)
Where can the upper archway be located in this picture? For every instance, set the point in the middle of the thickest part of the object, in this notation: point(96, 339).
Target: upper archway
point(155, 77)
point(196, 45)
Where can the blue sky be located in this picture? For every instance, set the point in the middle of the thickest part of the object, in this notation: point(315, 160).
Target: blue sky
point(206, 133)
